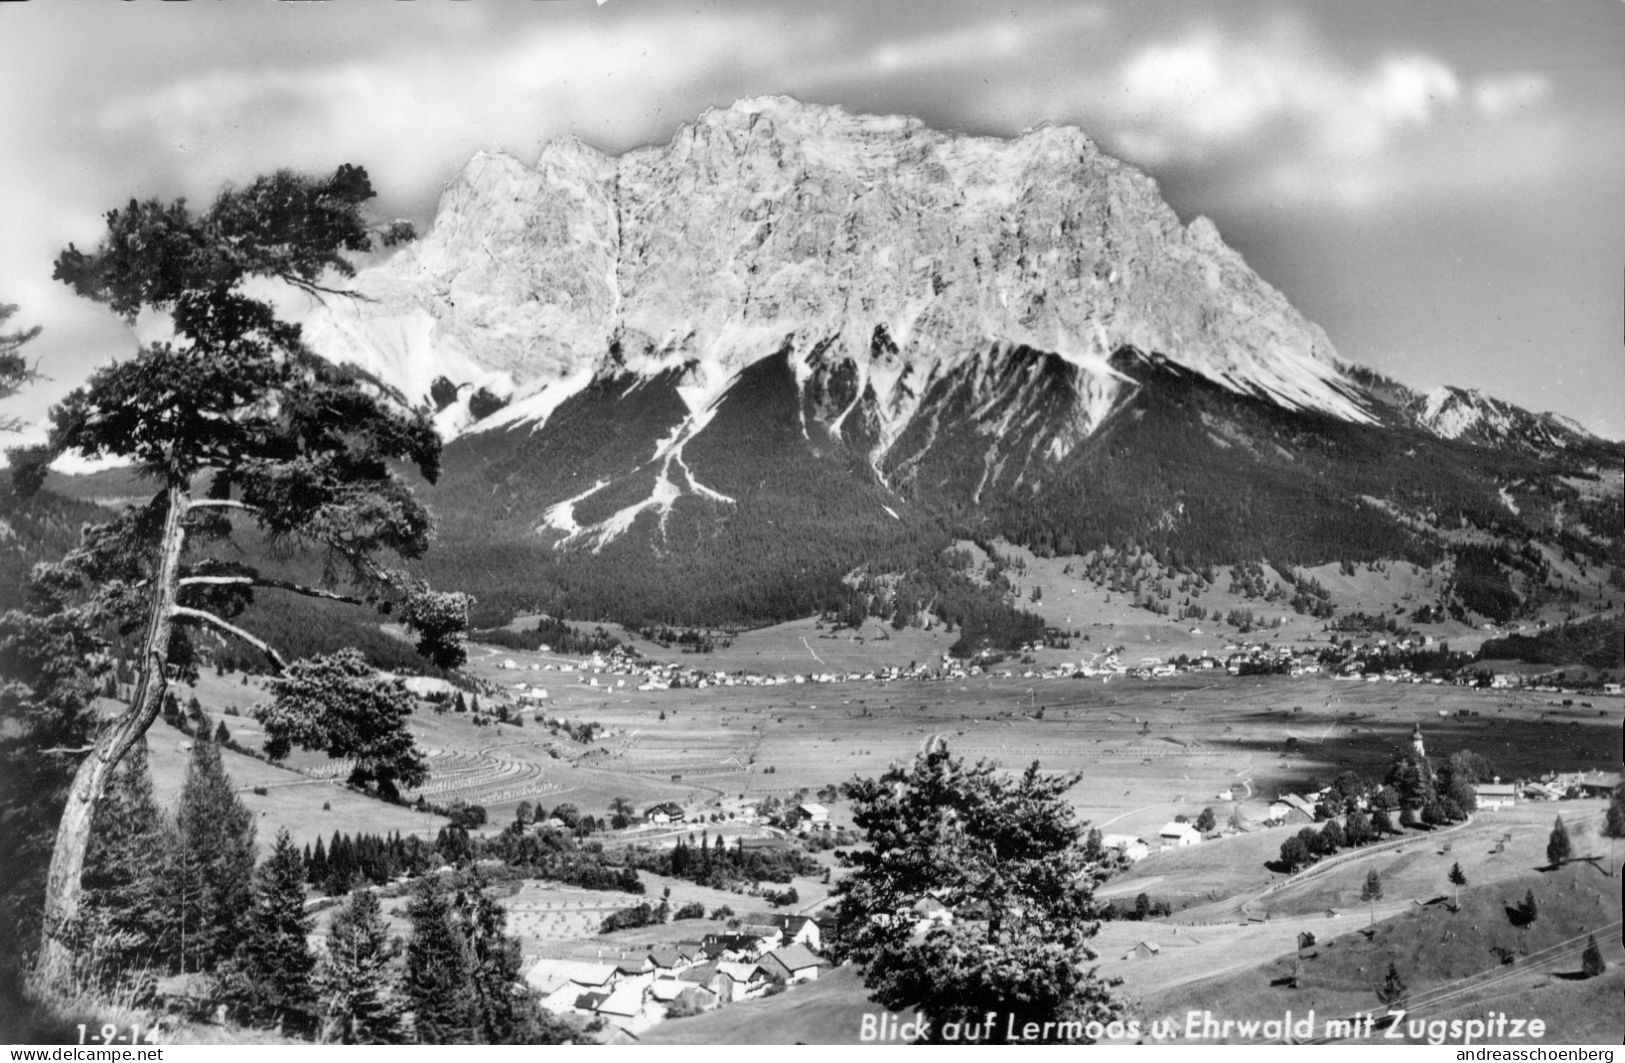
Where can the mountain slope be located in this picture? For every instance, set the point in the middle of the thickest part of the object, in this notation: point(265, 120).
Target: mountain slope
point(795, 346)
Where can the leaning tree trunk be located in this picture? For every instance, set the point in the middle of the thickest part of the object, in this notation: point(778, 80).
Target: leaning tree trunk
point(62, 884)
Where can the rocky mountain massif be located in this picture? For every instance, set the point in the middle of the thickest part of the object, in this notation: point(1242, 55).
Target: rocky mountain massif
point(710, 382)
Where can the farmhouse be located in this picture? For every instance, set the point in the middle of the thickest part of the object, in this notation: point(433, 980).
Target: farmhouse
point(1176, 835)
point(794, 963)
point(734, 947)
point(930, 912)
point(1300, 805)
point(813, 814)
point(1493, 795)
point(665, 813)
point(1134, 849)
point(793, 929)
point(731, 982)
point(667, 961)
point(1145, 950)
point(624, 1007)
point(562, 983)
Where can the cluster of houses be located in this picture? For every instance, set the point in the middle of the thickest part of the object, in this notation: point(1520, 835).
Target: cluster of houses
point(807, 815)
point(633, 991)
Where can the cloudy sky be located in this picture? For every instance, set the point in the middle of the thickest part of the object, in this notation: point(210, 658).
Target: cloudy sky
point(1441, 185)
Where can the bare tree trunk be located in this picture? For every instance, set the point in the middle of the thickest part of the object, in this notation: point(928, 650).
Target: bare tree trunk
point(54, 969)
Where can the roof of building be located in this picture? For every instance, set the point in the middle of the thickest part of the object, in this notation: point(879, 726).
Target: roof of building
point(1302, 804)
point(813, 809)
point(627, 999)
point(740, 972)
point(666, 990)
point(1490, 789)
point(1175, 829)
point(665, 956)
point(590, 1001)
point(1120, 841)
point(548, 975)
point(795, 957)
point(700, 973)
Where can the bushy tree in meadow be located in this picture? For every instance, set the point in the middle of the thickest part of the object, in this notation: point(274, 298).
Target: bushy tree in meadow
point(1458, 879)
point(1614, 825)
point(1006, 856)
point(1371, 893)
point(339, 705)
point(1294, 853)
point(1558, 845)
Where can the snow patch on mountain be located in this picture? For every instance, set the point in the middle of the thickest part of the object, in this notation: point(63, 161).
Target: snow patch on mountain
point(561, 515)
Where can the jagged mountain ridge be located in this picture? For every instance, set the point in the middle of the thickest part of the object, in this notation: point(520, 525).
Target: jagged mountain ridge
point(774, 221)
point(794, 341)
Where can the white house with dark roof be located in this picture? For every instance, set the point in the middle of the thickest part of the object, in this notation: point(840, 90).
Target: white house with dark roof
point(1176, 835)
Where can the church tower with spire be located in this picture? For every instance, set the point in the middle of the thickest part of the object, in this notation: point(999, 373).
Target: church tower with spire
point(1416, 740)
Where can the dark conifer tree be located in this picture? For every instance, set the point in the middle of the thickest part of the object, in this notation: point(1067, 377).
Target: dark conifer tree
point(128, 916)
point(497, 981)
point(273, 965)
point(1591, 962)
point(316, 866)
point(439, 982)
point(215, 861)
point(360, 1002)
point(1558, 846)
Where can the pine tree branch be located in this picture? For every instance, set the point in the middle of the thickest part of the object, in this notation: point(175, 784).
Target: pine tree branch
point(232, 629)
point(270, 584)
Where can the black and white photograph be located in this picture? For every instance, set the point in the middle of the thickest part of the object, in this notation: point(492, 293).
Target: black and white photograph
point(755, 522)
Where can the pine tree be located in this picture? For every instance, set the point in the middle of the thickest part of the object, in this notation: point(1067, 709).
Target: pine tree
point(1458, 879)
point(360, 1003)
point(273, 963)
point(215, 861)
point(1558, 846)
point(1614, 826)
point(1372, 893)
point(1392, 991)
point(1591, 962)
point(496, 976)
point(128, 932)
point(316, 866)
point(239, 428)
point(439, 970)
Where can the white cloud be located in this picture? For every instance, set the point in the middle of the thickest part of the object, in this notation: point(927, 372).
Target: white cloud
point(414, 115)
point(1504, 94)
point(1211, 91)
